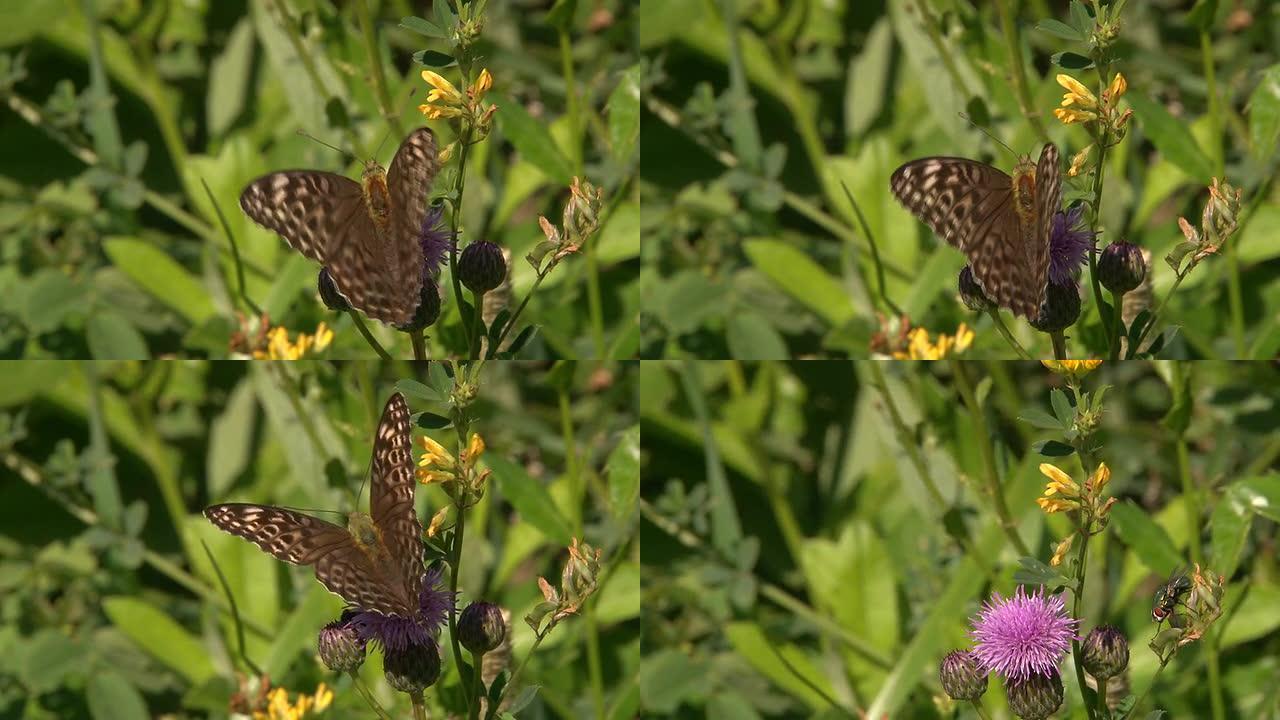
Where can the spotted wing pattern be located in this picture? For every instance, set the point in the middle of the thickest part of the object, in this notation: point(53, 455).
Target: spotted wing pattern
point(971, 206)
point(325, 217)
point(391, 494)
point(340, 565)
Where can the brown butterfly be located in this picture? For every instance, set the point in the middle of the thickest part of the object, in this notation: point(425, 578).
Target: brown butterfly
point(1001, 224)
point(366, 234)
point(376, 562)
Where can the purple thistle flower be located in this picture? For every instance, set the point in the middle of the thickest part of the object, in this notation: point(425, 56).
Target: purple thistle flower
point(1067, 245)
point(400, 633)
point(1023, 635)
point(436, 241)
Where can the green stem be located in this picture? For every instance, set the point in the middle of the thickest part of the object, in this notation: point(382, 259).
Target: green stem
point(1155, 316)
point(1096, 226)
point(519, 309)
point(368, 696)
point(375, 65)
point(419, 708)
point(511, 682)
point(1059, 345)
point(1117, 300)
point(984, 440)
point(477, 299)
point(368, 336)
point(455, 221)
point(477, 660)
point(455, 555)
point(977, 707)
point(419, 343)
point(1025, 103)
point(1003, 329)
point(1133, 711)
point(1103, 710)
point(1082, 563)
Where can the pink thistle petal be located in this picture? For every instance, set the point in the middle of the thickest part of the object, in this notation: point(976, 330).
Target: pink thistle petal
point(1023, 635)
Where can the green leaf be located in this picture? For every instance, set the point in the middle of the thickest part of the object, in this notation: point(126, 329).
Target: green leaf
point(1034, 572)
point(1062, 408)
point(1264, 114)
point(1179, 416)
point(532, 138)
point(49, 658)
point(433, 59)
point(1080, 19)
point(1052, 448)
point(157, 273)
point(1255, 618)
point(788, 666)
point(423, 26)
point(623, 471)
point(1036, 417)
point(112, 337)
point(51, 298)
point(1229, 527)
point(229, 76)
point(530, 498)
point(1059, 29)
point(1071, 61)
point(231, 437)
point(432, 421)
point(1172, 137)
point(751, 337)
point(624, 115)
point(1147, 539)
point(522, 700)
point(669, 678)
point(413, 389)
point(729, 705)
point(801, 278)
point(1262, 495)
point(161, 636)
point(111, 697)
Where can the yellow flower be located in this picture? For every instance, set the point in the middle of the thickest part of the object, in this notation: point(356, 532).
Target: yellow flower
point(1059, 482)
point(1053, 505)
point(1098, 480)
point(1072, 368)
point(437, 521)
point(280, 347)
point(920, 347)
point(474, 450)
point(279, 708)
point(481, 85)
point(1068, 116)
point(441, 89)
point(324, 336)
point(437, 112)
point(1061, 550)
point(1078, 160)
point(434, 454)
point(1117, 88)
point(1077, 94)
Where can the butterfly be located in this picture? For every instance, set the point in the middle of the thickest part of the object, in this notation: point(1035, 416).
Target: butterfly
point(366, 234)
point(1001, 223)
point(376, 562)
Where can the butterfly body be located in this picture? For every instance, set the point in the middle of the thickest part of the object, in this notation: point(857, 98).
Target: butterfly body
point(374, 563)
point(365, 233)
point(1001, 223)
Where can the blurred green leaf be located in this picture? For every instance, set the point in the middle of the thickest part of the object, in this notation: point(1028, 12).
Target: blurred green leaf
point(112, 337)
point(533, 140)
point(112, 697)
point(1262, 494)
point(160, 635)
point(154, 271)
point(1059, 29)
point(781, 662)
point(801, 278)
point(46, 659)
point(751, 337)
point(229, 74)
point(1147, 539)
point(1228, 527)
point(1264, 114)
point(667, 679)
point(423, 27)
point(51, 297)
point(231, 437)
point(1052, 448)
point(624, 473)
point(624, 115)
point(530, 498)
point(1256, 616)
point(1171, 137)
point(1039, 418)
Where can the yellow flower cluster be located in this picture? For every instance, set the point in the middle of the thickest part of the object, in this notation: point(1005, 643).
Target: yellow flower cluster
point(280, 347)
point(1062, 494)
point(921, 347)
point(1080, 105)
point(279, 707)
point(446, 102)
point(1072, 368)
point(457, 476)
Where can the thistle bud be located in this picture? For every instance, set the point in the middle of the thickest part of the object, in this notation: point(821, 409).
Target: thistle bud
point(413, 669)
point(481, 627)
point(971, 292)
point(1061, 307)
point(482, 267)
point(961, 677)
point(1105, 653)
point(1035, 698)
point(1121, 267)
point(340, 648)
point(329, 294)
point(428, 308)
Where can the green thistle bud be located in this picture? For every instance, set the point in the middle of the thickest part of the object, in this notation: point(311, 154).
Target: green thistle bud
point(341, 650)
point(1035, 698)
point(413, 669)
point(482, 267)
point(481, 627)
point(971, 292)
point(1061, 307)
point(961, 677)
point(1121, 267)
point(329, 294)
point(428, 308)
point(1105, 652)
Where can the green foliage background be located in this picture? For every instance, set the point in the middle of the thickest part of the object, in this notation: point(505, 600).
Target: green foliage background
point(752, 249)
point(795, 564)
point(110, 608)
point(116, 111)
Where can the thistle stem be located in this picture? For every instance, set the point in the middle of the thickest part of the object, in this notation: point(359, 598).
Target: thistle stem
point(368, 696)
point(1117, 299)
point(1008, 336)
point(474, 351)
point(977, 707)
point(455, 554)
point(368, 336)
point(1059, 345)
point(1082, 562)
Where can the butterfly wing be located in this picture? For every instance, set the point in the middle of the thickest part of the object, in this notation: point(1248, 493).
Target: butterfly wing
point(391, 494)
point(1048, 201)
point(408, 183)
point(340, 565)
point(970, 205)
point(308, 208)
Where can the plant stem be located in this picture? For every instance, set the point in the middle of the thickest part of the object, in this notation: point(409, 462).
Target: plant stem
point(419, 710)
point(1059, 345)
point(519, 309)
point(455, 554)
point(368, 336)
point(419, 345)
point(1117, 299)
point(511, 682)
point(368, 696)
point(982, 713)
point(1103, 710)
point(477, 659)
point(375, 65)
point(1156, 315)
point(984, 441)
point(478, 303)
point(455, 221)
point(994, 312)
point(1134, 710)
point(1025, 103)
point(1082, 562)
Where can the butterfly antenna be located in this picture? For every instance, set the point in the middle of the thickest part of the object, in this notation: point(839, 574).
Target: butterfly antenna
point(984, 131)
point(309, 136)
